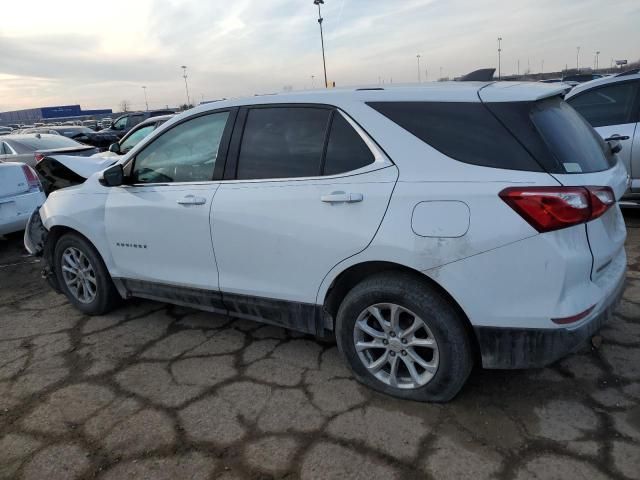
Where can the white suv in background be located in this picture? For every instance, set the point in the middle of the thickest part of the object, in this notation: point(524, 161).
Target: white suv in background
point(423, 227)
point(612, 106)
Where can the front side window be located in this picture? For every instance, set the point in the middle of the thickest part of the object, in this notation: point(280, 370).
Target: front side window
point(185, 153)
point(133, 139)
point(282, 142)
point(611, 105)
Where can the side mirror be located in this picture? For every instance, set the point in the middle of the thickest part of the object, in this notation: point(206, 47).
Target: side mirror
point(115, 148)
point(113, 176)
point(615, 146)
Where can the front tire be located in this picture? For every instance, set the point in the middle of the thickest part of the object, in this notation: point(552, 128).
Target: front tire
point(83, 276)
point(403, 338)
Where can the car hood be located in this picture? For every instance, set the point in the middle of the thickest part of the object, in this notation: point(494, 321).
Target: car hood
point(84, 166)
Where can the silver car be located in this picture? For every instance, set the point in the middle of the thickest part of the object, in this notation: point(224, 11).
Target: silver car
point(612, 106)
point(31, 148)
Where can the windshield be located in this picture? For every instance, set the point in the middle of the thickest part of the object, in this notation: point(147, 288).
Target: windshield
point(46, 143)
point(574, 143)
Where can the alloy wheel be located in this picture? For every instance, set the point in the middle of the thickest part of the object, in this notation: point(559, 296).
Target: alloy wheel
point(79, 275)
point(396, 346)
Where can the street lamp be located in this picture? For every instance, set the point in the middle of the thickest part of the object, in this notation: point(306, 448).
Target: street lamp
point(419, 79)
point(597, 55)
point(313, 82)
point(146, 102)
point(578, 58)
point(499, 59)
point(186, 86)
point(320, 19)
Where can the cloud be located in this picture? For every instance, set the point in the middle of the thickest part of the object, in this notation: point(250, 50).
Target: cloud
point(69, 55)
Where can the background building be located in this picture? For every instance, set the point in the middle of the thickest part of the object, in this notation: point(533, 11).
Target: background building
point(50, 114)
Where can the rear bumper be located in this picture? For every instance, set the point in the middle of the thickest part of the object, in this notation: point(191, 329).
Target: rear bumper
point(513, 348)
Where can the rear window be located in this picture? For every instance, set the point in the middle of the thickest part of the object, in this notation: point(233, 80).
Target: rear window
point(468, 132)
point(573, 142)
point(46, 143)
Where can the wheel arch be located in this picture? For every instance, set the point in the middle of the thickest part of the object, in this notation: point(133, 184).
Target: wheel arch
point(354, 274)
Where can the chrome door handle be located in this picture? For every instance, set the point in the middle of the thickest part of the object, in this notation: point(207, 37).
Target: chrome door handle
point(341, 197)
point(192, 200)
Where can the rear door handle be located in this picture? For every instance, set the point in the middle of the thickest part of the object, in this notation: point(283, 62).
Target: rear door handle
point(192, 200)
point(341, 197)
point(616, 137)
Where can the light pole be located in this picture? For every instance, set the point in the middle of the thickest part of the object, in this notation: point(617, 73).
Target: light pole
point(542, 68)
point(578, 58)
point(419, 78)
point(499, 52)
point(440, 73)
point(186, 86)
point(313, 82)
point(597, 55)
point(146, 102)
point(320, 19)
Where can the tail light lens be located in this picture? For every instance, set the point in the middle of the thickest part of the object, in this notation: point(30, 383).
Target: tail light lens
point(552, 208)
point(39, 157)
point(32, 178)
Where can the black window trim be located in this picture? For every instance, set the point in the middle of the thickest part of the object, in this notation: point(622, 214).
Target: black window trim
point(221, 160)
point(381, 159)
point(635, 109)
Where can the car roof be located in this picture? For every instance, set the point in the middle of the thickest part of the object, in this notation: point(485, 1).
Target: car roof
point(623, 77)
point(151, 120)
point(433, 91)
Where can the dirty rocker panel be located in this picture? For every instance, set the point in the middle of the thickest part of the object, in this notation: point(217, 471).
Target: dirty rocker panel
point(303, 317)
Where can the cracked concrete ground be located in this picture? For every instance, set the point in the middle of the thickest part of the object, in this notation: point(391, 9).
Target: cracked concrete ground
point(162, 392)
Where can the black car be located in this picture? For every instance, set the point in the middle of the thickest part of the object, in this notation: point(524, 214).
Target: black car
point(85, 135)
point(126, 122)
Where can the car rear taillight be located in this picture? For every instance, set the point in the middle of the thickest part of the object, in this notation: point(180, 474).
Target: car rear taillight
point(552, 208)
point(601, 199)
point(32, 178)
point(38, 157)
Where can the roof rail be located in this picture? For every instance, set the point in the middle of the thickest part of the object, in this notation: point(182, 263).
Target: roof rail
point(364, 89)
point(633, 71)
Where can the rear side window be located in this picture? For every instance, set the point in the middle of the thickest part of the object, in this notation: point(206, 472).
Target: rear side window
point(610, 105)
point(467, 132)
point(282, 142)
point(346, 150)
point(573, 142)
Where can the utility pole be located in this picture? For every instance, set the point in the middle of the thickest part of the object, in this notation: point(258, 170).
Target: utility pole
point(186, 85)
point(578, 58)
point(419, 79)
point(320, 19)
point(499, 59)
point(146, 102)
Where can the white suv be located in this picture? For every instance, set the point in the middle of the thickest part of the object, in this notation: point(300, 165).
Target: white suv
point(425, 227)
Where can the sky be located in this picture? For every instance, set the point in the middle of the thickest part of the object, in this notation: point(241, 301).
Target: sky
point(98, 54)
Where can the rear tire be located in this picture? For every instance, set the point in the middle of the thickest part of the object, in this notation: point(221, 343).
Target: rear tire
point(83, 276)
point(412, 342)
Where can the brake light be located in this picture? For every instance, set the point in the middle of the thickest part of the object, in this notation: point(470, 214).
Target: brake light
point(601, 199)
point(38, 157)
point(32, 178)
point(552, 208)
